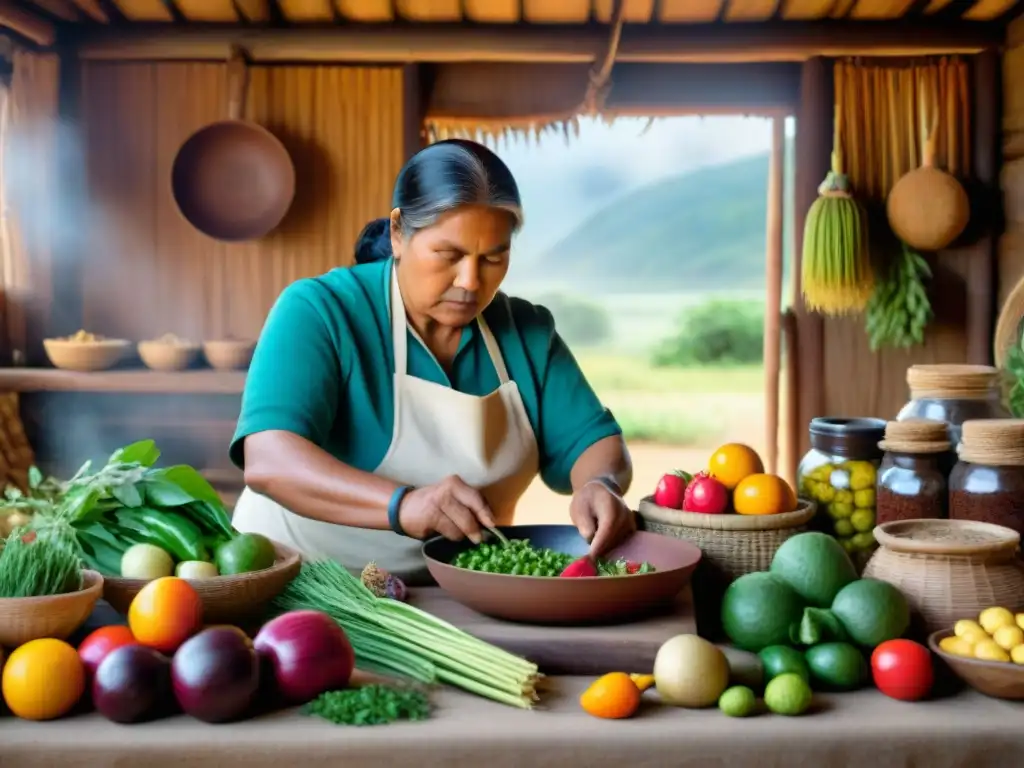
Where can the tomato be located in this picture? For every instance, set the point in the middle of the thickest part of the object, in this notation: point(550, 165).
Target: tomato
point(902, 669)
point(43, 679)
point(165, 613)
point(98, 644)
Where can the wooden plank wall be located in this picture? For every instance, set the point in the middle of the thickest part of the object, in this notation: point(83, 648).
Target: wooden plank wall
point(141, 271)
point(1011, 245)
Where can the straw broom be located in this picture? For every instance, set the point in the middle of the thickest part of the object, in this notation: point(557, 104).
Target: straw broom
point(837, 276)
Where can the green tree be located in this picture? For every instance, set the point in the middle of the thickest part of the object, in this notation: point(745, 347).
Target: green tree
point(578, 321)
point(715, 332)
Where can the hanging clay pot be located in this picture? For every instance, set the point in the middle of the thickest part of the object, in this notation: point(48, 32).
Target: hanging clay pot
point(928, 208)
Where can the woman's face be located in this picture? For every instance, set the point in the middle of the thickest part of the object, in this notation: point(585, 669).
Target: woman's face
point(449, 272)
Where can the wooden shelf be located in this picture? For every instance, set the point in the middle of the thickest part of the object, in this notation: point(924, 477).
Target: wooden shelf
point(143, 382)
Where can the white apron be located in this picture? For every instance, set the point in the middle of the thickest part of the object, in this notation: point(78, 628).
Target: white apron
point(487, 441)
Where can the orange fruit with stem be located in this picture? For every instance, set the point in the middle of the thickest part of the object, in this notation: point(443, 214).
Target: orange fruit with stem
point(762, 494)
point(734, 461)
point(613, 696)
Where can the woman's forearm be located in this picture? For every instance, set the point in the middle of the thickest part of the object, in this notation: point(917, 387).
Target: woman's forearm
point(306, 480)
point(606, 460)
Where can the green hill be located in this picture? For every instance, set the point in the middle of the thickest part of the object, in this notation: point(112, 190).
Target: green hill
point(702, 231)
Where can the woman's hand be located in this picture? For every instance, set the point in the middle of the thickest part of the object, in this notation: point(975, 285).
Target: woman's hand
point(449, 508)
point(602, 516)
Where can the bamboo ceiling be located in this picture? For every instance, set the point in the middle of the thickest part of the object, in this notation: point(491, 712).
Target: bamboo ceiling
point(491, 11)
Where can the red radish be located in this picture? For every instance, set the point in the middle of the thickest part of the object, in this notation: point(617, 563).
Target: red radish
point(583, 566)
point(705, 494)
point(101, 642)
point(309, 654)
point(671, 489)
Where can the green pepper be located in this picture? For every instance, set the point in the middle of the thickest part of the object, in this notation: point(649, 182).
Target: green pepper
point(211, 518)
point(170, 531)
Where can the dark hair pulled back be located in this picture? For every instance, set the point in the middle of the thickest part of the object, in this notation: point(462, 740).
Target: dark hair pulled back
point(436, 180)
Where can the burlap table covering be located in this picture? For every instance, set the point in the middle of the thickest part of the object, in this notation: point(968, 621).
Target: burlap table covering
point(856, 730)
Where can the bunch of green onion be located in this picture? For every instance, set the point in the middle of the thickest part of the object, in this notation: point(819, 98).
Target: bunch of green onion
point(397, 639)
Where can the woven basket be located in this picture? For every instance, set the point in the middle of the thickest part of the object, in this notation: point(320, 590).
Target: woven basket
point(949, 569)
point(1008, 324)
point(29, 618)
point(733, 545)
point(226, 599)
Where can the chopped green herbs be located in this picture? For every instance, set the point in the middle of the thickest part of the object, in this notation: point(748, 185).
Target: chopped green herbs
point(370, 705)
point(520, 558)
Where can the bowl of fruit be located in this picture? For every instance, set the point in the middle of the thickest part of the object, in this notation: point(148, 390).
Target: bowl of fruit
point(542, 574)
point(987, 654)
point(737, 513)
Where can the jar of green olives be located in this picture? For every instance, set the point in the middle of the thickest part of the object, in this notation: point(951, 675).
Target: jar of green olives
point(840, 473)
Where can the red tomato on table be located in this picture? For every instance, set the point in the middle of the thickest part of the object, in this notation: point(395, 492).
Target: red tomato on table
point(902, 669)
point(99, 643)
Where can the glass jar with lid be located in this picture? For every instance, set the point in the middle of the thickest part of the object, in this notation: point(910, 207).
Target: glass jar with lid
point(912, 479)
point(839, 473)
point(953, 394)
point(987, 483)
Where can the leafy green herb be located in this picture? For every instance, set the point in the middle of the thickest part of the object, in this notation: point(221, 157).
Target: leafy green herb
point(370, 705)
point(1013, 372)
point(899, 310)
point(34, 565)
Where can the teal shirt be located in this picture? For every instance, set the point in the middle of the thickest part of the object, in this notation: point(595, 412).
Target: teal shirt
point(324, 362)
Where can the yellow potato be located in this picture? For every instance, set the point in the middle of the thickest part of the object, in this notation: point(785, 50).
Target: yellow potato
point(992, 619)
point(970, 631)
point(956, 646)
point(1008, 637)
point(1017, 655)
point(1020, 620)
point(987, 650)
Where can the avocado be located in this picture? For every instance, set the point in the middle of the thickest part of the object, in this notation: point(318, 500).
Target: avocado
point(245, 553)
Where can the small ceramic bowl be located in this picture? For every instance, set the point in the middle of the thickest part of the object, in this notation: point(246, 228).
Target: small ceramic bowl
point(92, 355)
point(228, 354)
point(168, 354)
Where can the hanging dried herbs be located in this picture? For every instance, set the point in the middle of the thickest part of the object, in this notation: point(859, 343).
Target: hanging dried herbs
point(899, 310)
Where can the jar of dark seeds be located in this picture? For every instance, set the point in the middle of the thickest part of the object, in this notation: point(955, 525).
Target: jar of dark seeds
point(912, 476)
point(987, 483)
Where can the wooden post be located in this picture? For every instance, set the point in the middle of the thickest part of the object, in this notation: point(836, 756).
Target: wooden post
point(986, 151)
point(773, 292)
point(813, 159)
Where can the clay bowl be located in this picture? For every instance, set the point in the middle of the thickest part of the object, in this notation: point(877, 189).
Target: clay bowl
point(96, 355)
point(167, 356)
point(998, 679)
point(228, 354)
point(575, 601)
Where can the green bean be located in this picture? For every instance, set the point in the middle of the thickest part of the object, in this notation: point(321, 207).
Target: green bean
point(520, 558)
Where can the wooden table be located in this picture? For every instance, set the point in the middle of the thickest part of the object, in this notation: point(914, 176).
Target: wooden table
point(847, 731)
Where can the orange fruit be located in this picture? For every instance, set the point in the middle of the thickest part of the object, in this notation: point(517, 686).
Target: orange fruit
point(734, 461)
point(612, 696)
point(43, 679)
point(165, 613)
point(763, 494)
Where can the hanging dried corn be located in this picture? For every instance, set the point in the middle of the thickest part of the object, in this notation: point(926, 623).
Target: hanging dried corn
point(836, 274)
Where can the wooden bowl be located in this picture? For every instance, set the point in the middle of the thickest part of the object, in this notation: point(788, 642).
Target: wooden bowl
point(167, 356)
point(998, 679)
point(226, 599)
point(228, 354)
point(552, 600)
point(86, 355)
point(58, 616)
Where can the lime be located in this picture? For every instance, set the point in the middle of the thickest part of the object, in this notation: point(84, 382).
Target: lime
point(787, 694)
point(844, 528)
point(863, 520)
point(837, 667)
point(781, 660)
point(737, 701)
point(245, 553)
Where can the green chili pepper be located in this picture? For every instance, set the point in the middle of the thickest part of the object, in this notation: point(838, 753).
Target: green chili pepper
point(170, 531)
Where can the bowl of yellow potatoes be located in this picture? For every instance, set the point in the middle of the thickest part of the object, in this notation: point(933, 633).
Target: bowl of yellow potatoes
point(987, 653)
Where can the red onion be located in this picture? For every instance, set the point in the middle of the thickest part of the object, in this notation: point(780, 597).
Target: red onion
point(216, 675)
point(308, 652)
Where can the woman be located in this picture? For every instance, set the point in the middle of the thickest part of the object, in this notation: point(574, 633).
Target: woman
point(405, 397)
